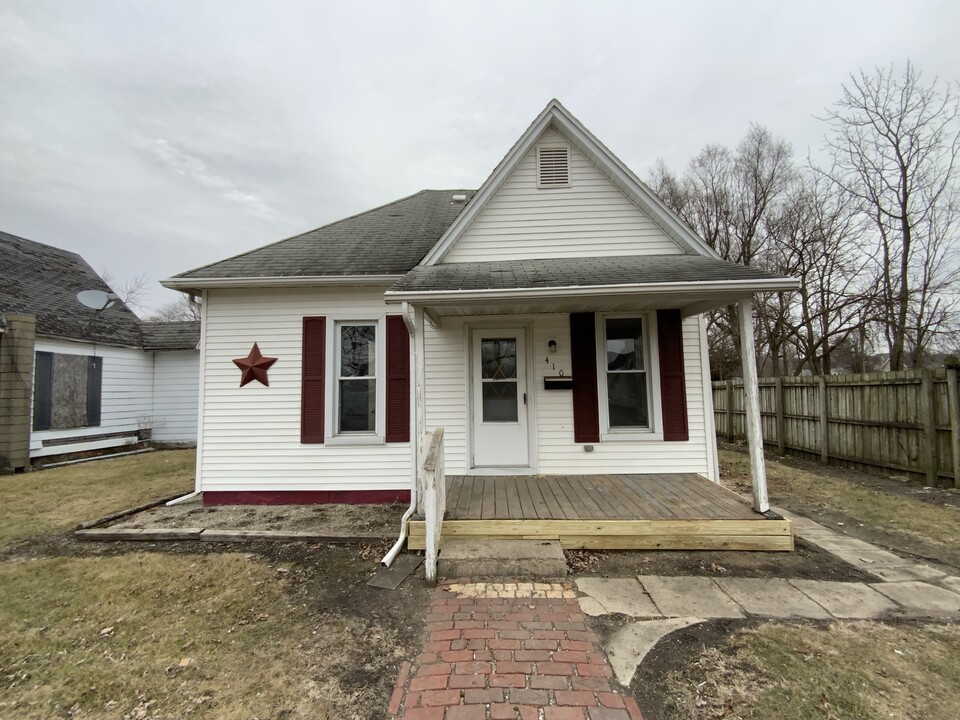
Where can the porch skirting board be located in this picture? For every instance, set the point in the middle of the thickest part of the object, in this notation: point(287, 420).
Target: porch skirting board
point(305, 497)
point(760, 534)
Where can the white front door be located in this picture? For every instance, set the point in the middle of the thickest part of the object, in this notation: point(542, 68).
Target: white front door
point(499, 386)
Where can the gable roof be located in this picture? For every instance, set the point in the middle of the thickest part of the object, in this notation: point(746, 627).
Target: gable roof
point(41, 280)
point(179, 335)
point(386, 241)
point(557, 116)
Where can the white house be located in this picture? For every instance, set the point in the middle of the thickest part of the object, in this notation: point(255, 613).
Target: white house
point(75, 380)
point(549, 322)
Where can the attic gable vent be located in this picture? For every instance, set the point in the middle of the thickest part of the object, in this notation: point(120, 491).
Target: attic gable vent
point(553, 166)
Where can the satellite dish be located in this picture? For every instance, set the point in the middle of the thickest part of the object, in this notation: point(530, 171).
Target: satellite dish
point(96, 299)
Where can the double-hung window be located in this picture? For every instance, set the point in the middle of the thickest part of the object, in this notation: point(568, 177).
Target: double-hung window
point(356, 367)
point(626, 369)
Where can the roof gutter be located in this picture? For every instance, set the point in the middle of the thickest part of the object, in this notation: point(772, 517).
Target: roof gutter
point(446, 297)
point(188, 284)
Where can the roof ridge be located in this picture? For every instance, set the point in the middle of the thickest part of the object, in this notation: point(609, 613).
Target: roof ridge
point(305, 232)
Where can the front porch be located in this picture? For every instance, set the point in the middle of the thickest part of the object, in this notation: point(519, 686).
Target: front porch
point(682, 511)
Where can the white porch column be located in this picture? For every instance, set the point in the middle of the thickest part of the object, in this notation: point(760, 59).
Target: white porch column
point(751, 395)
point(420, 390)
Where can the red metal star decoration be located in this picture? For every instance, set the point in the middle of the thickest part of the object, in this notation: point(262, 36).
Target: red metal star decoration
point(254, 366)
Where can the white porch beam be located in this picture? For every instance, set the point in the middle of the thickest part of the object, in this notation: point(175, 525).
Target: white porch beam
point(751, 394)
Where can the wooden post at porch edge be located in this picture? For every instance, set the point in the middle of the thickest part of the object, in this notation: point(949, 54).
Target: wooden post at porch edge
point(751, 403)
point(420, 381)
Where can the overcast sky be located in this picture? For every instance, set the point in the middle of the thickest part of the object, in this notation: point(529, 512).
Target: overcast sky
point(153, 137)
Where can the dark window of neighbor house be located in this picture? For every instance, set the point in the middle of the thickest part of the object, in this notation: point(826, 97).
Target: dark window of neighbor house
point(67, 391)
point(626, 373)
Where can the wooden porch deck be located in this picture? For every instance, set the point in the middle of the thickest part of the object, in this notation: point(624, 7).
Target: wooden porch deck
point(668, 512)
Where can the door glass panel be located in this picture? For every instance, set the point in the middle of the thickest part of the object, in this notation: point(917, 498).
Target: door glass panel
point(498, 358)
point(500, 401)
point(624, 344)
point(357, 350)
point(627, 396)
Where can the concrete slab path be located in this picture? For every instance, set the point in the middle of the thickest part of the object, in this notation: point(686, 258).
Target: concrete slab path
point(882, 564)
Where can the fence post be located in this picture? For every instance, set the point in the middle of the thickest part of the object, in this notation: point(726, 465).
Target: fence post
point(928, 416)
point(781, 425)
point(731, 435)
point(953, 403)
point(824, 420)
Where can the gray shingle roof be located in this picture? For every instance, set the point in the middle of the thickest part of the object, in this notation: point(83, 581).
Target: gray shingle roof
point(387, 240)
point(572, 272)
point(179, 335)
point(40, 280)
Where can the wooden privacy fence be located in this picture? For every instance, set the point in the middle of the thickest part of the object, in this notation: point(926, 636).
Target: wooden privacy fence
point(906, 422)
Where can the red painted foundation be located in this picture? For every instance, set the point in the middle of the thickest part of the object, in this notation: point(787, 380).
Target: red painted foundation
point(305, 497)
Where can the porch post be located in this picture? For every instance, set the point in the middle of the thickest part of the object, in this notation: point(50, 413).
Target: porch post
point(419, 431)
point(751, 396)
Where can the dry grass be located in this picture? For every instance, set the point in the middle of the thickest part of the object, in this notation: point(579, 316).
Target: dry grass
point(848, 671)
point(105, 637)
point(59, 498)
point(894, 513)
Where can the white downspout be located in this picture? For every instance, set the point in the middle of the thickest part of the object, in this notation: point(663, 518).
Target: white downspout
point(182, 498)
point(414, 441)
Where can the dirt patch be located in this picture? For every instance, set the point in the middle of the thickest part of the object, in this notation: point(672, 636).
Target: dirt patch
point(329, 519)
point(346, 639)
point(806, 561)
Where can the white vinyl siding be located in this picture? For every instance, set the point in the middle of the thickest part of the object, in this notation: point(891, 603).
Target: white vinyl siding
point(126, 398)
point(176, 375)
point(251, 435)
point(590, 217)
point(556, 451)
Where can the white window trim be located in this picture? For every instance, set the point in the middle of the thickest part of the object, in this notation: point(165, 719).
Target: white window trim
point(652, 360)
point(331, 420)
point(555, 146)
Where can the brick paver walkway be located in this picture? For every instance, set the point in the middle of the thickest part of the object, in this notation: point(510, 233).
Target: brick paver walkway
point(509, 651)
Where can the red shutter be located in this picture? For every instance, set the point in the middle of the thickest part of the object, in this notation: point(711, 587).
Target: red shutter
point(313, 379)
point(673, 389)
point(398, 380)
point(583, 362)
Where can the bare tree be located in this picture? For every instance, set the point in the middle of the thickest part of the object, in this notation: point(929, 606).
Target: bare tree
point(816, 230)
point(132, 291)
point(727, 197)
point(177, 310)
point(893, 144)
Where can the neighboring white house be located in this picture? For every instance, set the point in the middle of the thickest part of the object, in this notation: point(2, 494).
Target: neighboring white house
point(75, 380)
point(550, 322)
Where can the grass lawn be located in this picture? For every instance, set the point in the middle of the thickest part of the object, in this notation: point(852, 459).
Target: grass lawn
point(105, 637)
point(895, 514)
point(847, 671)
point(60, 498)
point(167, 631)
